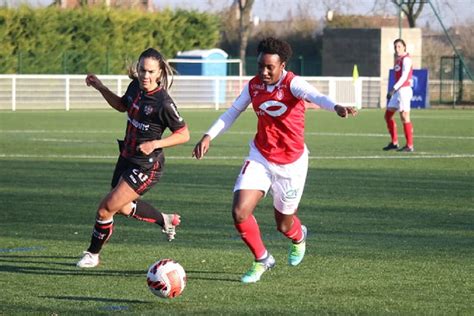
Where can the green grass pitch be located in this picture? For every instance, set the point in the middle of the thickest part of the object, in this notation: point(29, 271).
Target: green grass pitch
point(389, 233)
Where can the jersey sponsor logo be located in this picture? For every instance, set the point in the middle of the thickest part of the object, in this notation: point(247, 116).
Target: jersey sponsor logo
point(138, 125)
point(272, 108)
point(290, 195)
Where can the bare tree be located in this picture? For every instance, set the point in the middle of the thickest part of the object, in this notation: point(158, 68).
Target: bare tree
point(411, 8)
point(245, 23)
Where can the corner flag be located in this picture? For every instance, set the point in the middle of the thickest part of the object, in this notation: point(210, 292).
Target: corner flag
point(355, 74)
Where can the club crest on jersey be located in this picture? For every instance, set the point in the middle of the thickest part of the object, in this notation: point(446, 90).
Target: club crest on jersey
point(397, 67)
point(273, 108)
point(148, 109)
point(280, 94)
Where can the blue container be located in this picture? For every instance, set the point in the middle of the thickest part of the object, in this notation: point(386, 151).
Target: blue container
point(205, 69)
point(202, 69)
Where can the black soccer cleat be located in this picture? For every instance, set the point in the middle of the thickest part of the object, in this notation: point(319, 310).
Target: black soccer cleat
point(390, 146)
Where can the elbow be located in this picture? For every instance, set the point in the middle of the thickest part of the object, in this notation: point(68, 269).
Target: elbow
point(184, 134)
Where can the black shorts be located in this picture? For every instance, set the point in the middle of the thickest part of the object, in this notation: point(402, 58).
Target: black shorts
point(139, 178)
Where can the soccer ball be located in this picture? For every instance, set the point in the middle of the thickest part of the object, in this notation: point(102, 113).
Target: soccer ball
point(166, 278)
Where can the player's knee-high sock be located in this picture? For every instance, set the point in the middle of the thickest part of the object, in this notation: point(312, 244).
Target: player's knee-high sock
point(408, 129)
point(295, 233)
point(143, 211)
point(101, 233)
point(391, 126)
point(250, 234)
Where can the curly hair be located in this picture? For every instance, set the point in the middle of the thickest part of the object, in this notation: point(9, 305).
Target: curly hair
point(271, 45)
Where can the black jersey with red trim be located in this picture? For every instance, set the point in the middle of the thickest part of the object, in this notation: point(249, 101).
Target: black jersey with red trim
point(149, 114)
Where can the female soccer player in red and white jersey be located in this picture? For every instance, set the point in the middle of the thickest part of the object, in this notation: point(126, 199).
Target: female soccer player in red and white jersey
point(150, 110)
point(399, 98)
point(278, 158)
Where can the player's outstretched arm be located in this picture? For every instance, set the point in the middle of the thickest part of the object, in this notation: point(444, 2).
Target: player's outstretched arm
point(202, 147)
point(343, 111)
point(112, 99)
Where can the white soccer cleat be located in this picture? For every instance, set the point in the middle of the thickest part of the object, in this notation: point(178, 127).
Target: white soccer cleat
point(88, 260)
point(171, 221)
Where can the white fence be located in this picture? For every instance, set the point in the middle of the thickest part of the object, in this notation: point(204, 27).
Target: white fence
point(68, 92)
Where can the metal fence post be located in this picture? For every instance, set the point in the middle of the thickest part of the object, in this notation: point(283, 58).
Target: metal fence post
point(67, 93)
point(13, 93)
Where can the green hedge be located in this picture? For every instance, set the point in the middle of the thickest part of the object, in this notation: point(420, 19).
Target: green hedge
point(54, 41)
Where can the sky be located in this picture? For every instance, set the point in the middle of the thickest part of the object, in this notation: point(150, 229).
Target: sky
point(451, 11)
point(458, 11)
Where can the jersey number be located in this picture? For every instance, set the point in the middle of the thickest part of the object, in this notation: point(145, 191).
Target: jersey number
point(140, 175)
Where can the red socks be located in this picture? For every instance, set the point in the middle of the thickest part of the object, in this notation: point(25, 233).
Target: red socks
point(408, 129)
point(295, 233)
point(250, 234)
point(391, 126)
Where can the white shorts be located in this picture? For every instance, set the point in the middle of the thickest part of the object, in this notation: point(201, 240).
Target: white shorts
point(401, 100)
point(286, 182)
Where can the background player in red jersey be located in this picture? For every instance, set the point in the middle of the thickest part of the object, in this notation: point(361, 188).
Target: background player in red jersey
point(150, 110)
point(278, 158)
point(399, 98)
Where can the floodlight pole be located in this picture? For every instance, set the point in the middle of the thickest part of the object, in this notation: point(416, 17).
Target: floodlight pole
point(400, 19)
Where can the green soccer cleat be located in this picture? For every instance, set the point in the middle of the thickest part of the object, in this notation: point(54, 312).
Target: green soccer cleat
point(258, 268)
point(296, 254)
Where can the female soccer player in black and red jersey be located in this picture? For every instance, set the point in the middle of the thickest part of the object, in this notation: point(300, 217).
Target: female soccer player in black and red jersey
point(150, 110)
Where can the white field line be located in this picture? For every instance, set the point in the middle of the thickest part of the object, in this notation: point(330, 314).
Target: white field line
point(228, 132)
point(398, 156)
point(462, 118)
point(63, 140)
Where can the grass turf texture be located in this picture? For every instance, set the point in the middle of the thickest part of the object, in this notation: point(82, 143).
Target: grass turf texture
point(388, 232)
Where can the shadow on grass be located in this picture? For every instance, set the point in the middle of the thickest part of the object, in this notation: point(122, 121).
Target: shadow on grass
point(34, 267)
point(41, 270)
point(94, 299)
point(212, 276)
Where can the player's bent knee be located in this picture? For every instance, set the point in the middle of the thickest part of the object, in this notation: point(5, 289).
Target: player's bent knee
point(239, 216)
point(104, 214)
